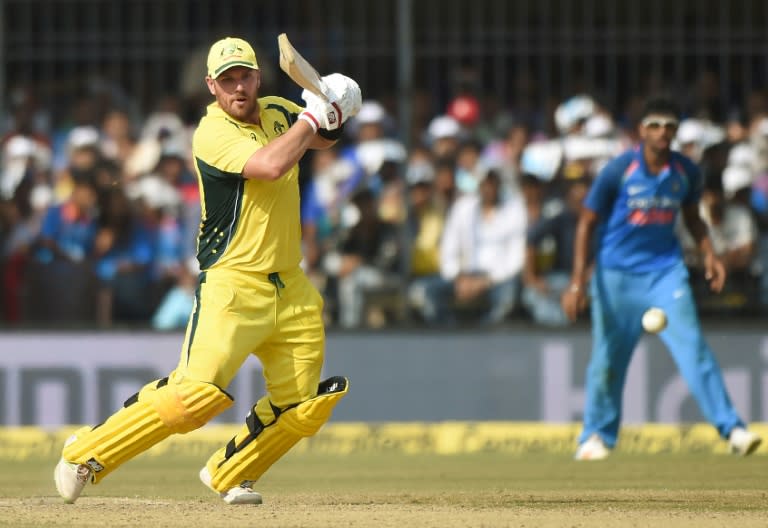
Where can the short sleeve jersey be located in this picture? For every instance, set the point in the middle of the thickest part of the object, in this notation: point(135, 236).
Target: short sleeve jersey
point(246, 224)
point(638, 210)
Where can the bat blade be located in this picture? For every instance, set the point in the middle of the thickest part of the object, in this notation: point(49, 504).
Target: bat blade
point(298, 69)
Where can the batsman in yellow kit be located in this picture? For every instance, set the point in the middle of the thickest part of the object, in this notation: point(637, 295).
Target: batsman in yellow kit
point(252, 297)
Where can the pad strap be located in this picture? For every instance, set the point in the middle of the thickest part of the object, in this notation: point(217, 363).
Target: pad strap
point(257, 446)
point(161, 408)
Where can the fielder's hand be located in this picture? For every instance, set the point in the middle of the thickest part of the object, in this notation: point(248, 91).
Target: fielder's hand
point(573, 301)
point(320, 114)
point(714, 272)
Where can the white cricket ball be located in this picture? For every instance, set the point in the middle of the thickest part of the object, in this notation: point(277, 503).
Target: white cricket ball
point(654, 320)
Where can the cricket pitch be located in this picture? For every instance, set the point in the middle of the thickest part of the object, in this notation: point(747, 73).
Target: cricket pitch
point(401, 490)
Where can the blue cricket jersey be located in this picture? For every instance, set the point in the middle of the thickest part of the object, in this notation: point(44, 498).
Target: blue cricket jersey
point(638, 210)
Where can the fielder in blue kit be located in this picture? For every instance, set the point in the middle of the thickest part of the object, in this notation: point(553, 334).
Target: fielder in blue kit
point(631, 210)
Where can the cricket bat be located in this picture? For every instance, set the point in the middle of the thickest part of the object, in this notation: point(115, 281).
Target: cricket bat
point(299, 70)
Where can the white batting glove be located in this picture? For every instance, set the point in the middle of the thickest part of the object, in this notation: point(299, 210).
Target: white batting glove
point(320, 114)
point(345, 92)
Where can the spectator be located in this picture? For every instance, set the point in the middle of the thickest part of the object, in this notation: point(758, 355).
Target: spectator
point(27, 115)
point(468, 166)
point(424, 225)
point(481, 256)
point(69, 229)
point(59, 285)
point(445, 187)
point(124, 254)
point(157, 204)
point(321, 204)
point(24, 214)
point(726, 208)
point(549, 258)
point(572, 114)
point(372, 122)
point(381, 160)
point(119, 138)
point(424, 228)
point(83, 158)
point(369, 260)
point(507, 150)
point(175, 308)
point(732, 226)
point(23, 158)
point(444, 136)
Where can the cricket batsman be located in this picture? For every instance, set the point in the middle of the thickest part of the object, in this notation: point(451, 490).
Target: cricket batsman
point(252, 296)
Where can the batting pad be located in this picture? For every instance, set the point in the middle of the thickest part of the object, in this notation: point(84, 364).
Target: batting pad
point(257, 446)
point(161, 408)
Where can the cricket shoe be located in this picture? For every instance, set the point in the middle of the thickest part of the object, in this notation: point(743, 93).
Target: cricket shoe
point(743, 442)
point(70, 477)
point(242, 494)
point(592, 449)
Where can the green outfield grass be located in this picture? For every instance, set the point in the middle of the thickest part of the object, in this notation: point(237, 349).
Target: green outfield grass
point(482, 490)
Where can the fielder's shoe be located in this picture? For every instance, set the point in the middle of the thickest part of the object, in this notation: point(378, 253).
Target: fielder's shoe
point(743, 442)
point(242, 494)
point(592, 449)
point(70, 478)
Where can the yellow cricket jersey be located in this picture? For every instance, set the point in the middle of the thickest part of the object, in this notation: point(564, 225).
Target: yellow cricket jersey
point(247, 225)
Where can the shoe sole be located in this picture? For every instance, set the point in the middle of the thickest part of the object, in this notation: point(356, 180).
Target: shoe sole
point(252, 497)
point(590, 458)
point(249, 498)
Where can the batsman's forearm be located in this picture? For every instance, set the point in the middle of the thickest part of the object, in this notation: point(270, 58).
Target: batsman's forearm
point(271, 161)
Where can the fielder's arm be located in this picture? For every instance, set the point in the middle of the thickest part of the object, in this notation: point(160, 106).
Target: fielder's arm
point(714, 270)
point(574, 298)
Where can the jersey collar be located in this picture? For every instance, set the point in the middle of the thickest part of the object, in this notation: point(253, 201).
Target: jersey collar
point(214, 110)
point(665, 171)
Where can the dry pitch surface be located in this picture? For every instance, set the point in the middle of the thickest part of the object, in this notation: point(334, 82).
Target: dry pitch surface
point(394, 490)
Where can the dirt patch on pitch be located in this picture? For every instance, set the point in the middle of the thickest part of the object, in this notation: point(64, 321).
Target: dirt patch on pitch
point(374, 511)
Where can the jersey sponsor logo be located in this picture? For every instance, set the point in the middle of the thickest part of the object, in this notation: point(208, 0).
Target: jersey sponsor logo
point(653, 202)
point(652, 216)
point(635, 189)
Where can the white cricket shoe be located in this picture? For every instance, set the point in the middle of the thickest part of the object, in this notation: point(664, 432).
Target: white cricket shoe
point(743, 442)
point(70, 478)
point(592, 449)
point(242, 494)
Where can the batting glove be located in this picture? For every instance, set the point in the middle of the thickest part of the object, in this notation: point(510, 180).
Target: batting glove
point(345, 92)
point(320, 114)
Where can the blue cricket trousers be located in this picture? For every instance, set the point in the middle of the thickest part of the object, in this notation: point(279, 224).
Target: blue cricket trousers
point(619, 299)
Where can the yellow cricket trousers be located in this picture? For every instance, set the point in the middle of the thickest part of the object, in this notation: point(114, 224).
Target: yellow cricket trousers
point(276, 317)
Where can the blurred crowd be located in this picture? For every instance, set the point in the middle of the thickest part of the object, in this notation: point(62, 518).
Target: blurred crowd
point(473, 222)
